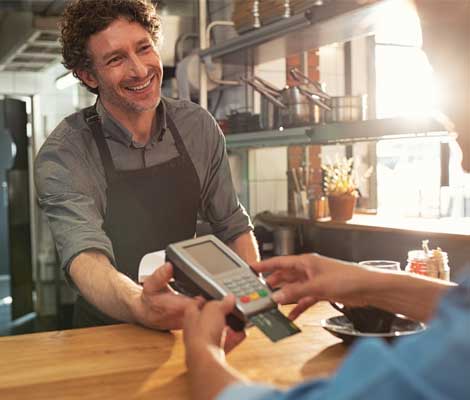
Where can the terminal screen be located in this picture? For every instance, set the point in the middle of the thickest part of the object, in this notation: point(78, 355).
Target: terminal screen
point(208, 255)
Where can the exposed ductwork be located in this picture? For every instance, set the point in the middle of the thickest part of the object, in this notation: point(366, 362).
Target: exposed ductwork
point(29, 42)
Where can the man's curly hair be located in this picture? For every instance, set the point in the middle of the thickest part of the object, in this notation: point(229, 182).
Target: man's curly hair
point(83, 18)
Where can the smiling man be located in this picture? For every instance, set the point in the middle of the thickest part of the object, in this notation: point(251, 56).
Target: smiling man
point(129, 175)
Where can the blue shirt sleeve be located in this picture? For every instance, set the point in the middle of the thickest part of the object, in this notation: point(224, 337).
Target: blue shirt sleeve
point(431, 365)
point(312, 390)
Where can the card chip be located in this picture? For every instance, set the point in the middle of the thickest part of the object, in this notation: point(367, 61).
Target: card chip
point(274, 324)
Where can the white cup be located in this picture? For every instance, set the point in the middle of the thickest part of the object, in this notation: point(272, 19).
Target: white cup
point(383, 265)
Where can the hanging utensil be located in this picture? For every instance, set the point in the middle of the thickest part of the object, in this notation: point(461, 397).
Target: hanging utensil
point(267, 85)
point(266, 93)
point(314, 98)
point(255, 13)
point(299, 204)
point(299, 107)
point(286, 9)
point(318, 89)
point(295, 179)
point(271, 105)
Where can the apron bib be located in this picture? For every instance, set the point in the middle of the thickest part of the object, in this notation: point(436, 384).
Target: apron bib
point(146, 210)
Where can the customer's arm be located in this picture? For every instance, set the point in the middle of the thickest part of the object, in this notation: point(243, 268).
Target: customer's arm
point(309, 278)
point(206, 337)
point(415, 296)
point(430, 365)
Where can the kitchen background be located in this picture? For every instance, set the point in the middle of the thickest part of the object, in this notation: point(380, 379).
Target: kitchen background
point(373, 49)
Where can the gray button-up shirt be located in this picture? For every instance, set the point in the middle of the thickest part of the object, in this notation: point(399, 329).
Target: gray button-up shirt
point(71, 184)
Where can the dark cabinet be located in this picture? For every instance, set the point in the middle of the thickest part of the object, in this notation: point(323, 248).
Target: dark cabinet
point(15, 226)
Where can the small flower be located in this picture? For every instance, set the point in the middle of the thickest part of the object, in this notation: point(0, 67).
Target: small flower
point(339, 177)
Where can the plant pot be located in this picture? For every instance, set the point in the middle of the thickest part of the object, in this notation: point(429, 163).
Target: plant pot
point(341, 207)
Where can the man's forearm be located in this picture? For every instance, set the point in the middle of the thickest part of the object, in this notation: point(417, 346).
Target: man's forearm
point(246, 247)
point(414, 296)
point(102, 285)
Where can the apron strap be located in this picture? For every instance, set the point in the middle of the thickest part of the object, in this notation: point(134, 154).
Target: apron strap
point(177, 137)
point(94, 123)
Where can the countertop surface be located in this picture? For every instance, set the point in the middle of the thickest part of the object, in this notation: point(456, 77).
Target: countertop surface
point(131, 362)
point(456, 228)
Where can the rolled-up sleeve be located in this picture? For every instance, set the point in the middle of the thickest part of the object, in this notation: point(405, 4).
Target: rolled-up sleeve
point(219, 202)
point(65, 194)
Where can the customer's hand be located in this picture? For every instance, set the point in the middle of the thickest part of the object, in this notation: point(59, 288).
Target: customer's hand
point(309, 278)
point(158, 306)
point(205, 330)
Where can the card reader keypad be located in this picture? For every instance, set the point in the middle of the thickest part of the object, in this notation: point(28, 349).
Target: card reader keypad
point(247, 288)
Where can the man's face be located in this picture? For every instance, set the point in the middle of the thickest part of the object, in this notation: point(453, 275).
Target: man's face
point(127, 69)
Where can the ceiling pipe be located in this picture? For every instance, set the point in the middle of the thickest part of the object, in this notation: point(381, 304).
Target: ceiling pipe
point(208, 61)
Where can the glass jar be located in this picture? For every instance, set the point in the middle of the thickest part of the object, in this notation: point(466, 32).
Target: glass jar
point(432, 263)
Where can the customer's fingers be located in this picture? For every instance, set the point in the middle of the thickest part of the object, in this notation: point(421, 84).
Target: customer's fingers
point(283, 276)
point(292, 293)
point(301, 306)
point(275, 263)
point(227, 304)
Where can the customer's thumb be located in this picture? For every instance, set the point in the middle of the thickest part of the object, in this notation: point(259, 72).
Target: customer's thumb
point(228, 303)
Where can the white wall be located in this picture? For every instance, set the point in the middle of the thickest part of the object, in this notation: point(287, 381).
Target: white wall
point(332, 68)
point(267, 178)
point(52, 104)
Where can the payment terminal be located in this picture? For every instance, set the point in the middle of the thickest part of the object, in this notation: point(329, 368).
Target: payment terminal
point(206, 266)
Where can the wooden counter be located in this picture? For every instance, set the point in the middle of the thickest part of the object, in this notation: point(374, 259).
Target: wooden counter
point(130, 362)
point(457, 228)
point(451, 228)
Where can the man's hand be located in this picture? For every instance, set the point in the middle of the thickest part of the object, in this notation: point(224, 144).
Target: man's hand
point(158, 307)
point(309, 278)
point(205, 330)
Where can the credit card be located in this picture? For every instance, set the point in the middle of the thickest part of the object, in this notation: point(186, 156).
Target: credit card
point(274, 325)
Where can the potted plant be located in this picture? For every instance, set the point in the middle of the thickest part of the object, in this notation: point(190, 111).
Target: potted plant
point(341, 188)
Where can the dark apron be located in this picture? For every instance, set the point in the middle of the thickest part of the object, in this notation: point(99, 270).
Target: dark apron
point(147, 209)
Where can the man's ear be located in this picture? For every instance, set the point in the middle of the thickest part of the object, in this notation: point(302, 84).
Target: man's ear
point(87, 77)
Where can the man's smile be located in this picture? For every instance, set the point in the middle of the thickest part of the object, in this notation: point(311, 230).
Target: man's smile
point(140, 87)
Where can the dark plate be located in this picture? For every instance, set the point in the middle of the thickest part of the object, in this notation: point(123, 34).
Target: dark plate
point(341, 327)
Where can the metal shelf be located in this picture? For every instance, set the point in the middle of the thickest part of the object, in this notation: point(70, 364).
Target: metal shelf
point(387, 128)
point(335, 21)
point(345, 132)
point(286, 137)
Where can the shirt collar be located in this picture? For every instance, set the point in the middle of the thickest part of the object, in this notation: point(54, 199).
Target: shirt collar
point(113, 129)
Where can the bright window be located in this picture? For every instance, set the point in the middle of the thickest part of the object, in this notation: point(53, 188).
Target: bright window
point(408, 170)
